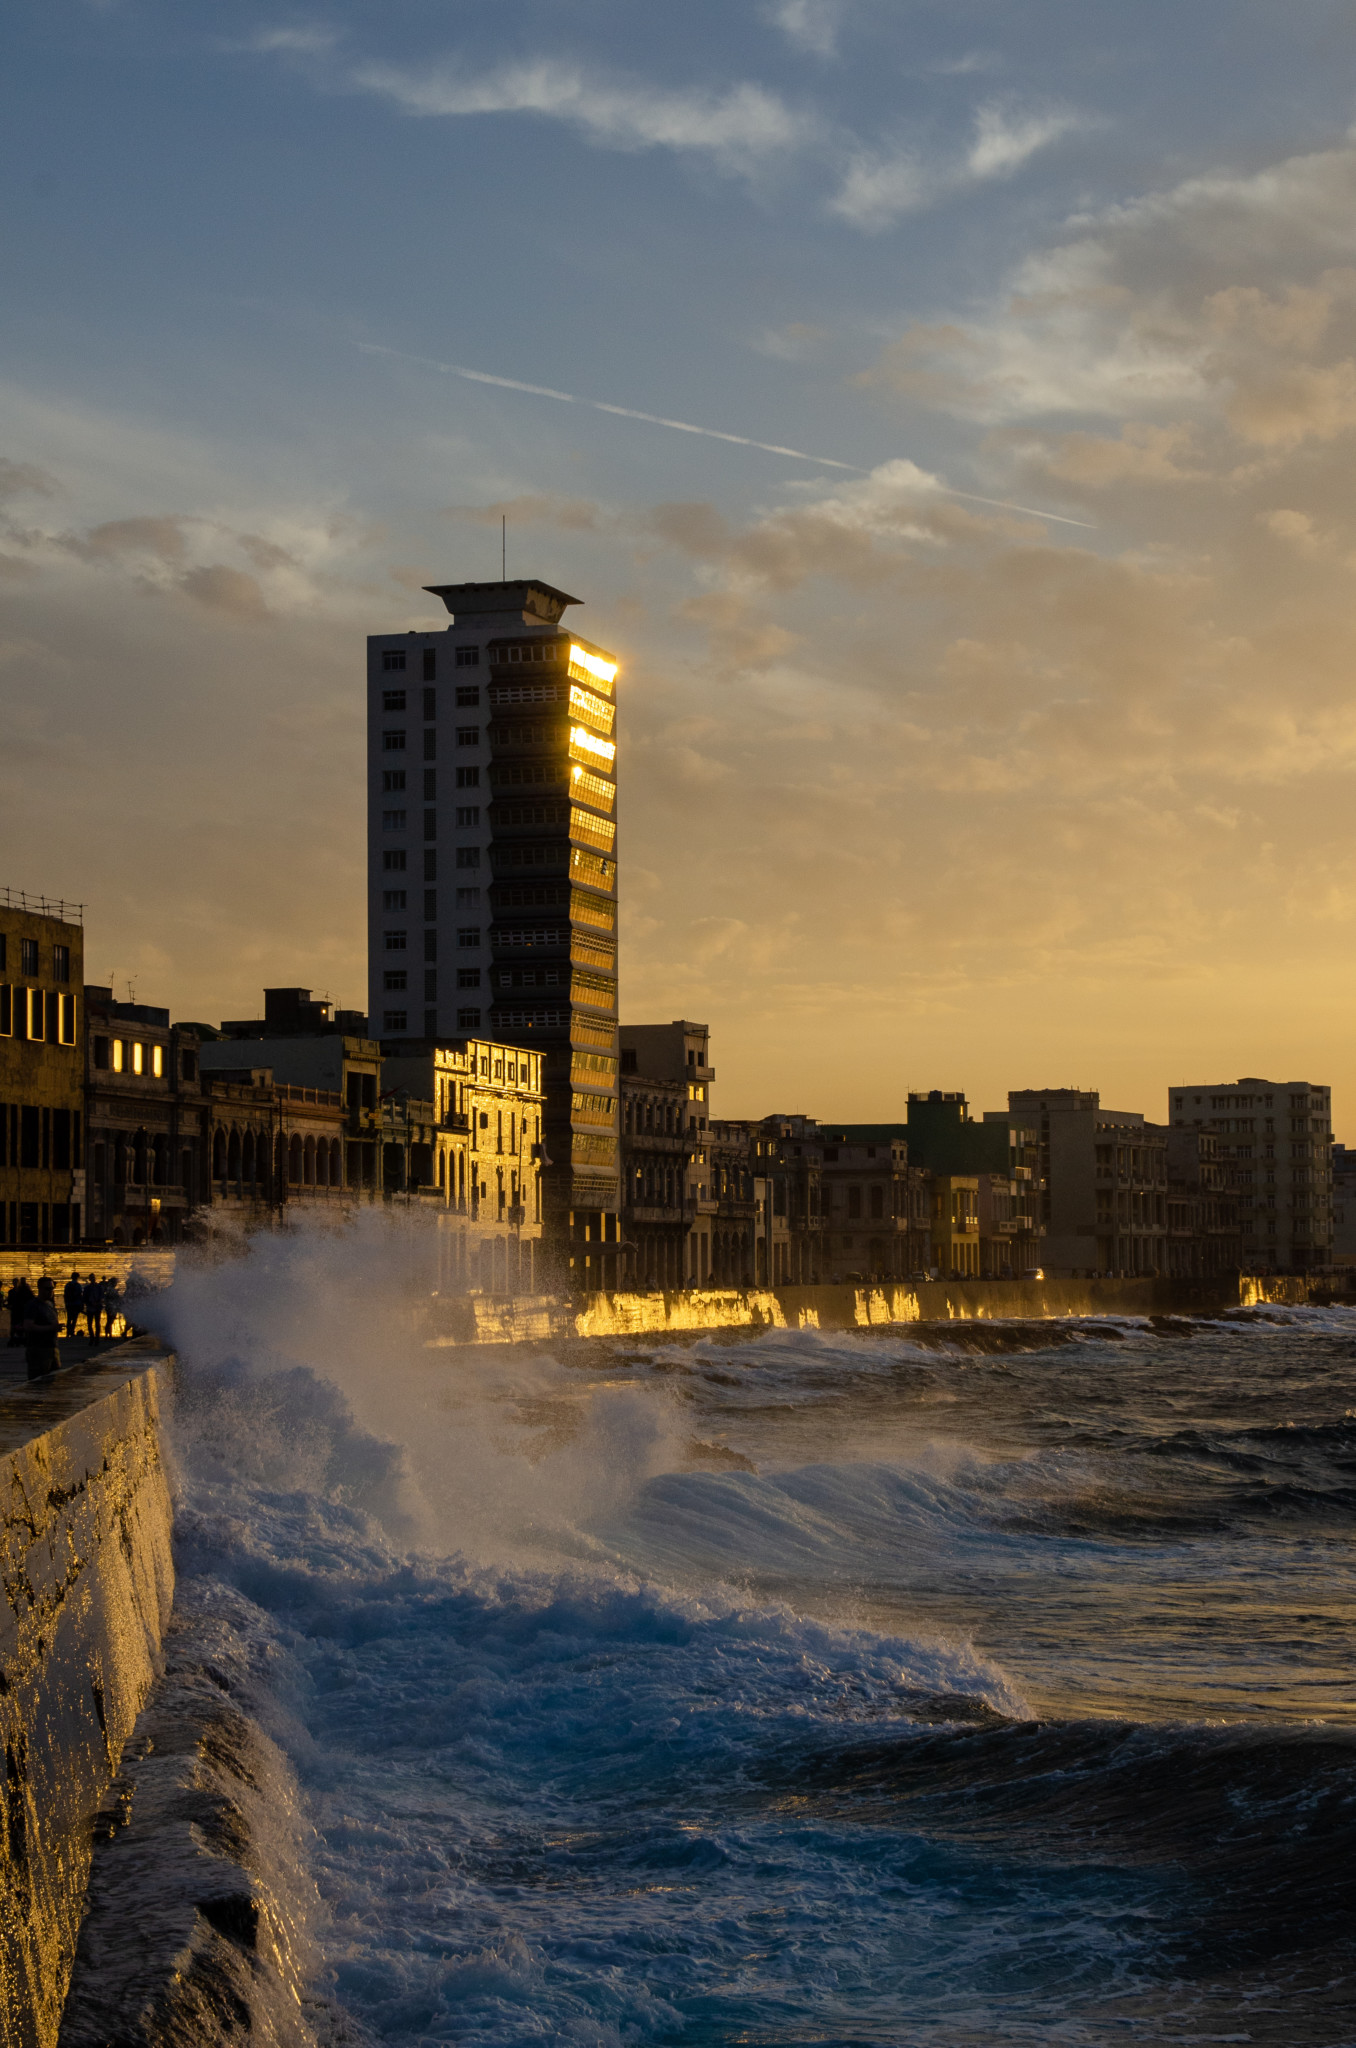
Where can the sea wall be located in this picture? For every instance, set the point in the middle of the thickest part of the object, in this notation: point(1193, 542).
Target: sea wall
point(88, 1581)
point(492, 1319)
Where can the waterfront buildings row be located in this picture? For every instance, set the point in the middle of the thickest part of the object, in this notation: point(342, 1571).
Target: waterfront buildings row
point(1239, 1177)
point(118, 1127)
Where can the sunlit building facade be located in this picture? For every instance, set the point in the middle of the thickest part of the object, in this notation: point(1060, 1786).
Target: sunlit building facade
point(492, 899)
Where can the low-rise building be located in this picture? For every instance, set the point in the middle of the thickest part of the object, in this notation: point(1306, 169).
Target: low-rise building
point(877, 1205)
point(463, 1135)
point(732, 1242)
point(656, 1148)
point(310, 1046)
point(955, 1225)
point(786, 1163)
point(1275, 1141)
point(147, 1124)
point(42, 1071)
point(668, 1201)
point(1003, 1154)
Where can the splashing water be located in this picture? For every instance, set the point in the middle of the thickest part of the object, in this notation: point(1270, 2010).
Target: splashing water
point(792, 1688)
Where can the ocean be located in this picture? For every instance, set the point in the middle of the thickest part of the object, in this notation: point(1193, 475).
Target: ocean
point(953, 1685)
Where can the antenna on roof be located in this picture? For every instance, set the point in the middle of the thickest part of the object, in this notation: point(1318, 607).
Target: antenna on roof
point(503, 547)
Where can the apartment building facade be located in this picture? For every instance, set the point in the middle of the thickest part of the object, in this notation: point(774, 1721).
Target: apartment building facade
point(1003, 1155)
point(1106, 1192)
point(492, 829)
point(42, 1071)
point(1205, 1236)
point(147, 1136)
point(669, 1200)
point(1275, 1141)
point(876, 1205)
point(482, 1105)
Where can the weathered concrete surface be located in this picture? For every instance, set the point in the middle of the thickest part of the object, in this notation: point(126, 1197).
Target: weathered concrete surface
point(88, 1581)
point(490, 1319)
point(196, 1931)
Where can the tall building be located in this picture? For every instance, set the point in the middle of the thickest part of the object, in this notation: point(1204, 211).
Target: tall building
point(42, 1071)
point(1275, 1140)
point(492, 873)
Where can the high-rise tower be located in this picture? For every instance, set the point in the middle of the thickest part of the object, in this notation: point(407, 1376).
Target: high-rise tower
point(492, 871)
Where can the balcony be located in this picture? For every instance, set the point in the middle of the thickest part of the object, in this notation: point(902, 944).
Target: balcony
point(652, 1214)
point(455, 1120)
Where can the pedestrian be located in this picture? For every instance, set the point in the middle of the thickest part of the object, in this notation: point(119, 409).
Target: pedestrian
point(20, 1301)
point(94, 1306)
point(112, 1303)
point(73, 1294)
point(41, 1332)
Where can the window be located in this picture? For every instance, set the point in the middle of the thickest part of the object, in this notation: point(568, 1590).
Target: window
point(138, 1056)
point(392, 779)
point(65, 1019)
point(394, 981)
point(61, 963)
point(430, 945)
point(468, 899)
point(28, 956)
point(467, 736)
point(468, 657)
point(117, 1055)
point(468, 977)
point(3, 943)
point(430, 785)
point(395, 942)
point(393, 899)
point(430, 824)
point(393, 700)
point(101, 1052)
point(393, 860)
point(468, 1020)
point(158, 1061)
point(430, 743)
point(393, 742)
point(468, 937)
point(468, 778)
point(394, 1020)
point(392, 658)
point(468, 856)
point(430, 863)
point(393, 821)
point(430, 673)
point(430, 904)
point(430, 984)
point(468, 814)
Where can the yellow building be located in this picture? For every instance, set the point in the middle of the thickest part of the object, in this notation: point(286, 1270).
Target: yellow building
point(482, 1104)
point(955, 1225)
point(42, 1071)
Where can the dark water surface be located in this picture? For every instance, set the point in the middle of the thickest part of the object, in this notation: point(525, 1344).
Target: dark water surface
point(880, 1688)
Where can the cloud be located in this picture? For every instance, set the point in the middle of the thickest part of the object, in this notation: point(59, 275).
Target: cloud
point(25, 480)
point(810, 25)
point(738, 130)
point(879, 187)
point(1004, 140)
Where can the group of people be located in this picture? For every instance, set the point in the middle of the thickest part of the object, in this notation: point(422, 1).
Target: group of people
point(35, 1321)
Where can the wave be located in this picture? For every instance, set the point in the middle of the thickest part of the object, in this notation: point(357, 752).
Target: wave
point(702, 1692)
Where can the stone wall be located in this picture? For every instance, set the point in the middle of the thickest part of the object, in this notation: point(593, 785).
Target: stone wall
point(88, 1580)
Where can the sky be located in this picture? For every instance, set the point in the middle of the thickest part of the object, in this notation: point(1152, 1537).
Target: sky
point(992, 725)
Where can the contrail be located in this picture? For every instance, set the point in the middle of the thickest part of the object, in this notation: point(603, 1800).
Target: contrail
point(658, 419)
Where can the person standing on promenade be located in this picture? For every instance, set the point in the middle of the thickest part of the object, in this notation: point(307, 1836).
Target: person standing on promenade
point(41, 1332)
point(73, 1294)
point(94, 1306)
point(112, 1294)
point(20, 1301)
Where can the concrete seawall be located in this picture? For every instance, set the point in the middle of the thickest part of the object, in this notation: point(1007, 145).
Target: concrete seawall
point(88, 1583)
point(494, 1319)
